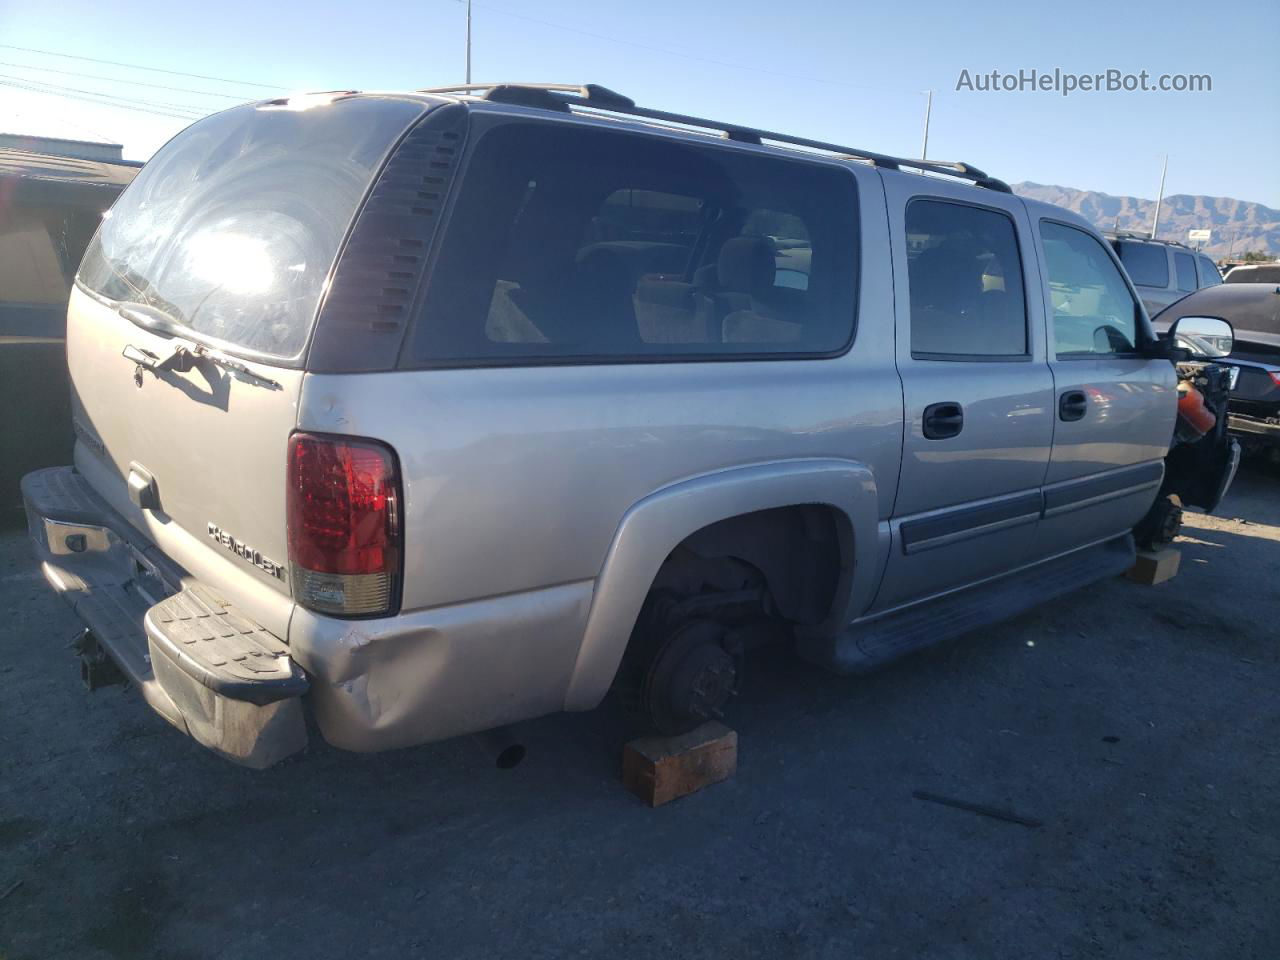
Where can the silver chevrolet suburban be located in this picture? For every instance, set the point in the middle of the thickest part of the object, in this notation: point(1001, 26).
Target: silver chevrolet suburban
point(430, 412)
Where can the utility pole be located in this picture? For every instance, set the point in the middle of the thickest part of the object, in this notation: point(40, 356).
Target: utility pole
point(1155, 220)
point(468, 41)
point(928, 108)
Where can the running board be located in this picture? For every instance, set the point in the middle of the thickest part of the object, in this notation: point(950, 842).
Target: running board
point(867, 644)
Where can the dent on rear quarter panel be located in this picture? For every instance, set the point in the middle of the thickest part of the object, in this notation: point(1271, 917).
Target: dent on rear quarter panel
point(433, 674)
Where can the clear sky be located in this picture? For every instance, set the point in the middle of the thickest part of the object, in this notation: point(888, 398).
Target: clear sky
point(848, 72)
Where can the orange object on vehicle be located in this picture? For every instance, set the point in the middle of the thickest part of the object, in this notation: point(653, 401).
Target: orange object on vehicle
point(1192, 412)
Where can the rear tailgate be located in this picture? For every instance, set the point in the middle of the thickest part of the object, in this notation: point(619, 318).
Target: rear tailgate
point(188, 327)
point(212, 442)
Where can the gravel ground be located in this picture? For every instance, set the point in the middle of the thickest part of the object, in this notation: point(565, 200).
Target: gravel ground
point(1141, 725)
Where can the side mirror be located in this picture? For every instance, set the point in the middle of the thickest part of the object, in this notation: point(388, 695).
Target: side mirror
point(1206, 337)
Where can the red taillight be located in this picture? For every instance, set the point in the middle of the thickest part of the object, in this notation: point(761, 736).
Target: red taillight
point(1275, 377)
point(344, 524)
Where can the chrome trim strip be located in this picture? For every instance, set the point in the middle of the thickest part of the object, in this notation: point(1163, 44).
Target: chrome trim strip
point(918, 546)
point(938, 528)
point(1099, 498)
point(1098, 487)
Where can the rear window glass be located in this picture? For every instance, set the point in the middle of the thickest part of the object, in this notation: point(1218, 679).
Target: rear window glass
point(568, 243)
point(1147, 263)
point(1209, 275)
point(230, 230)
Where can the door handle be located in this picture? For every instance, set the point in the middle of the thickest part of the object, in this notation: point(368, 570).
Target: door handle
point(943, 420)
point(1073, 405)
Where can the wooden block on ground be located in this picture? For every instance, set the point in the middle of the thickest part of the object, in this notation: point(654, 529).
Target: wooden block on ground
point(661, 769)
point(1155, 566)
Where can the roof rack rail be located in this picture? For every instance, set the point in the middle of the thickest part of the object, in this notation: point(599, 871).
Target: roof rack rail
point(564, 96)
point(1133, 235)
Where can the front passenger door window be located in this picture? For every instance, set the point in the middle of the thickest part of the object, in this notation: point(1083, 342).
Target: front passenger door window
point(1093, 311)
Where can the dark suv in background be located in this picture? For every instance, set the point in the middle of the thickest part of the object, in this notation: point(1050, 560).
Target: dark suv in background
point(50, 207)
point(1163, 271)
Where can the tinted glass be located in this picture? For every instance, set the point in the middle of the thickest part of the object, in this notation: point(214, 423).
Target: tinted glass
point(965, 275)
point(1184, 266)
point(35, 264)
point(1147, 263)
point(40, 247)
point(1209, 275)
point(1093, 311)
point(575, 243)
point(232, 227)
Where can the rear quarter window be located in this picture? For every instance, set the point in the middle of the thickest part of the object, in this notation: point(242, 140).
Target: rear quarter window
point(231, 229)
point(573, 244)
point(1209, 275)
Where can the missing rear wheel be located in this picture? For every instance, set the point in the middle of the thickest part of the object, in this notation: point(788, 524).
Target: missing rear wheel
point(690, 679)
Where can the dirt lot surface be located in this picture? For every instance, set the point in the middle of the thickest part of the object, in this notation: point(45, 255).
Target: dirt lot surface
point(1141, 725)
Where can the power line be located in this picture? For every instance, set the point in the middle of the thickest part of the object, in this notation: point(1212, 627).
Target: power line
point(115, 103)
point(136, 66)
point(135, 83)
point(59, 88)
point(101, 103)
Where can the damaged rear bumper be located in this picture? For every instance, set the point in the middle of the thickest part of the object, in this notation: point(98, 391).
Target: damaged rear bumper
point(204, 667)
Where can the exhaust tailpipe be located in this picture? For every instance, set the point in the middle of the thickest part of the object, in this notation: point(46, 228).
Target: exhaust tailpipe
point(502, 745)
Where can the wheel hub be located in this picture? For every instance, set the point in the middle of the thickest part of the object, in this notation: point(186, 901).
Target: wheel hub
point(692, 678)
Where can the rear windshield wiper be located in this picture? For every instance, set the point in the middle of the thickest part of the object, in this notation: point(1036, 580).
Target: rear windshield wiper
point(150, 318)
point(185, 351)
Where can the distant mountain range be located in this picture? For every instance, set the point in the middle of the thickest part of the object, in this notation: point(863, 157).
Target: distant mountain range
point(1237, 225)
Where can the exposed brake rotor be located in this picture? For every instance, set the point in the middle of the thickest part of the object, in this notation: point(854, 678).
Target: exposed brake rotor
point(691, 677)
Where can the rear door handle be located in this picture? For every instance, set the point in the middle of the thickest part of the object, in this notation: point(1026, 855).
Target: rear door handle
point(943, 420)
point(1073, 405)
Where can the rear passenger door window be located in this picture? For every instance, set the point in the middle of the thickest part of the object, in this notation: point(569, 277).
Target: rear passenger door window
point(573, 244)
point(966, 290)
point(1184, 268)
point(1093, 311)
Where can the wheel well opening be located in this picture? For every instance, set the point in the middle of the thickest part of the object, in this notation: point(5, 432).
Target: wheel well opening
point(744, 582)
point(794, 556)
